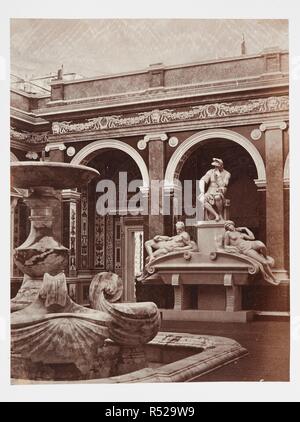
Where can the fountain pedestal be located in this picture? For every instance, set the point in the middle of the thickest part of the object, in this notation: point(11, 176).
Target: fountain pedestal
point(40, 253)
point(207, 284)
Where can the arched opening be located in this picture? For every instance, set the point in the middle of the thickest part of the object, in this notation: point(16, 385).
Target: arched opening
point(242, 191)
point(114, 241)
point(183, 151)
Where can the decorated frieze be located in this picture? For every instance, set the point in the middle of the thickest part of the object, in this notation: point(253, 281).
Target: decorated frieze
point(154, 117)
point(28, 137)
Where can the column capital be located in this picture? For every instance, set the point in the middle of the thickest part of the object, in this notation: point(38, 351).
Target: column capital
point(261, 184)
point(273, 125)
point(54, 146)
point(156, 136)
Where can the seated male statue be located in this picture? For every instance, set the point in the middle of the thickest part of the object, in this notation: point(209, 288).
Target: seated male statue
point(162, 245)
point(216, 180)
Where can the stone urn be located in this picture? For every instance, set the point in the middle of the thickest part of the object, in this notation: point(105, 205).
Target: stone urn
point(42, 252)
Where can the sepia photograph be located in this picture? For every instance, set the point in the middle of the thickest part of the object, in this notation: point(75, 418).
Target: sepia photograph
point(149, 201)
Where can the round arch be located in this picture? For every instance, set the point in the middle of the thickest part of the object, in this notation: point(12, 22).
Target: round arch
point(115, 144)
point(180, 154)
point(13, 157)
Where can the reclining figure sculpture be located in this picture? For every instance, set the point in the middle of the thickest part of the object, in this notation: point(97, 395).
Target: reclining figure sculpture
point(162, 245)
point(241, 240)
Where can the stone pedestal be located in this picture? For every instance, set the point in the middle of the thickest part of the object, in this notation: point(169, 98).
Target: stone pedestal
point(182, 294)
point(14, 197)
point(40, 253)
point(209, 235)
point(156, 150)
point(275, 195)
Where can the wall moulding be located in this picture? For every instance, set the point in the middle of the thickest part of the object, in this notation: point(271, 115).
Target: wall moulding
point(28, 137)
point(165, 116)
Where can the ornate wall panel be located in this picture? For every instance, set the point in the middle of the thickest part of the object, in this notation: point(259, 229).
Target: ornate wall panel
point(84, 228)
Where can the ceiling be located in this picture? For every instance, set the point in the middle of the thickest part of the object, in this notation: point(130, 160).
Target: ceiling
point(104, 46)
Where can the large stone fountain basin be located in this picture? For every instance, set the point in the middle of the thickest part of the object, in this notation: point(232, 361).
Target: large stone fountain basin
point(171, 357)
point(30, 174)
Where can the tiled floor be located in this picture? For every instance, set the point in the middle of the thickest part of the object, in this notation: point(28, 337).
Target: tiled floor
point(266, 341)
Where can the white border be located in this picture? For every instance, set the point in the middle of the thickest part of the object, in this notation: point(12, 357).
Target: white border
point(155, 9)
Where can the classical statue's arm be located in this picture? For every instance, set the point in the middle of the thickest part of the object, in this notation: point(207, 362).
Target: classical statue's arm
point(202, 186)
point(183, 248)
point(223, 188)
point(204, 181)
point(160, 238)
point(186, 239)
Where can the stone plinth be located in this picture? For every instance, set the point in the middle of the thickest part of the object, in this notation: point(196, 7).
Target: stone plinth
point(217, 280)
point(209, 234)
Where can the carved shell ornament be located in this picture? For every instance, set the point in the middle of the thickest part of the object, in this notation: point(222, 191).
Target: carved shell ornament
point(131, 323)
point(54, 329)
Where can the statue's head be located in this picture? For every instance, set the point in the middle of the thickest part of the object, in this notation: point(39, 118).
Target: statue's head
point(179, 227)
point(229, 225)
point(217, 162)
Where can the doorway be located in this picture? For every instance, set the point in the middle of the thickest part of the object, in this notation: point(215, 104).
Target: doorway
point(133, 258)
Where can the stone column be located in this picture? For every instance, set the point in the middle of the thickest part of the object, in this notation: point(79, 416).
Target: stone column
point(14, 197)
point(274, 194)
point(70, 198)
point(84, 233)
point(156, 154)
point(168, 201)
point(145, 204)
point(261, 192)
point(56, 154)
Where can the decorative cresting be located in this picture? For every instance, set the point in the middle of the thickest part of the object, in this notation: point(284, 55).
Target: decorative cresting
point(114, 144)
point(42, 252)
point(131, 324)
point(28, 137)
point(185, 149)
point(156, 116)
